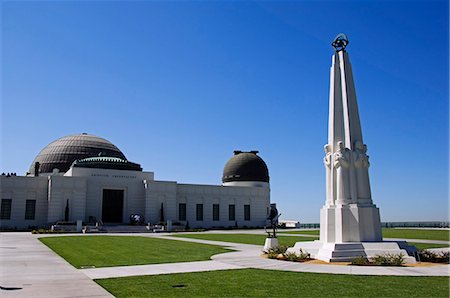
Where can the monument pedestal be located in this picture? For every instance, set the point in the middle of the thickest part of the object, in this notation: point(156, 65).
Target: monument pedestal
point(350, 231)
point(347, 251)
point(270, 243)
point(350, 223)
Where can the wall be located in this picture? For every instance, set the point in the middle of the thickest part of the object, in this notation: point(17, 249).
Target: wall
point(83, 188)
point(172, 194)
point(132, 182)
point(20, 189)
point(63, 190)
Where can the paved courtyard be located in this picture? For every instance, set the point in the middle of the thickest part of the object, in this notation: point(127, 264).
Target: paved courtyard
point(30, 269)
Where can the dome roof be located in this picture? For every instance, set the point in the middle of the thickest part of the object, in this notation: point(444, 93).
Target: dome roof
point(63, 152)
point(107, 163)
point(245, 166)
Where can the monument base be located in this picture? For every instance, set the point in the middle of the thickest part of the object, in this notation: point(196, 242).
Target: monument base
point(347, 251)
point(350, 223)
point(270, 243)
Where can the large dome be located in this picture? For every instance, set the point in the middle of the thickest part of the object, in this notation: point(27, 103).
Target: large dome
point(61, 153)
point(245, 166)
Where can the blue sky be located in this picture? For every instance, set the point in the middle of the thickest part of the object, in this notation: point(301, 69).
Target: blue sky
point(178, 86)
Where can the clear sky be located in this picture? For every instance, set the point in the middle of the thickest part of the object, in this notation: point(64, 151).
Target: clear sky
point(178, 86)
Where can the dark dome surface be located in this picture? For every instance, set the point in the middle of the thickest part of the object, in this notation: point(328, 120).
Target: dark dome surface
point(245, 166)
point(63, 152)
point(101, 162)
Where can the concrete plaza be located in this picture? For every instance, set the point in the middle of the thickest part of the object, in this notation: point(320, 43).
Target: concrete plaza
point(31, 269)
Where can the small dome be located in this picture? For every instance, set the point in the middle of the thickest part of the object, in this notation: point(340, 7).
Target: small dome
point(61, 153)
point(245, 166)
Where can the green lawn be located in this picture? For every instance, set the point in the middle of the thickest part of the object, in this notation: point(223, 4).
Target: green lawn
point(246, 238)
point(308, 232)
point(396, 233)
point(427, 245)
point(271, 283)
point(105, 251)
point(417, 234)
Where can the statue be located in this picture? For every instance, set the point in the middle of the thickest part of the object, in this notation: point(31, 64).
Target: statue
point(342, 166)
point(361, 162)
point(273, 217)
point(329, 177)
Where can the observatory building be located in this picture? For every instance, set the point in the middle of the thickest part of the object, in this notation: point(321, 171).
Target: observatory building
point(85, 177)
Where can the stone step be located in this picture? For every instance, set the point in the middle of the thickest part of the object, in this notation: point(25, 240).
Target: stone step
point(125, 229)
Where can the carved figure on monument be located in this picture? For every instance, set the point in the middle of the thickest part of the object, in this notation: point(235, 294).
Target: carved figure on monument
point(327, 160)
point(342, 166)
point(361, 162)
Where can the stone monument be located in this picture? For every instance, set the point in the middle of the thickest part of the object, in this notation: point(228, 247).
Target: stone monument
point(349, 221)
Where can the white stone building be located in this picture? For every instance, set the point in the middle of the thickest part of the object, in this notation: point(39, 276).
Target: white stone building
point(84, 177)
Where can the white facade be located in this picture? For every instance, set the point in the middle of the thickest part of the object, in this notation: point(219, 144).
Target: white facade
point(82, 190)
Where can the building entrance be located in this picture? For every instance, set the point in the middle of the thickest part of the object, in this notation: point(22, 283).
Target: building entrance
point(112, 208)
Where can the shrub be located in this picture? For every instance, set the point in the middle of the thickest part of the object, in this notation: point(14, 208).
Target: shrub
point(433, 257)
point(45, 231)
point(427, 255)
point(273, 253)
point(293, 257)
point(389, 260)
point(444, 256)
point(360, 261)
point(279, 249)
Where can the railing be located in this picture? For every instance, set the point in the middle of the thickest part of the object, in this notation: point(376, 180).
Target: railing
point(398, 224)
point(416, 224)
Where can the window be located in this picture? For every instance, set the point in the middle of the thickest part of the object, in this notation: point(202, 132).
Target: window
point(199, 212)
point(246, 212)
point(5, 212)
point(231, 212)
point(182, 211)
point(30, 209)
point(215, 212)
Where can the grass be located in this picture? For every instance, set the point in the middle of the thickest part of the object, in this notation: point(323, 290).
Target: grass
point(426, 245)
point(105, 251)
point(246, 238)
point(308, 232)
point(271, 283)
point(417, 234)
point(396, 233)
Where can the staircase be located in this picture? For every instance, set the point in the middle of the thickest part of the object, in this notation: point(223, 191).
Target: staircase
point(125, 229)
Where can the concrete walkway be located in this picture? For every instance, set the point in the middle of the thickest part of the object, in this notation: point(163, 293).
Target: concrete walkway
point(249, 256)
point(31, 269)
point(156, 269)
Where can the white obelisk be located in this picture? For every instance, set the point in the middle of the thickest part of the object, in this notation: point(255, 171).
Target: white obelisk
point(348, 214)
point(349, 221)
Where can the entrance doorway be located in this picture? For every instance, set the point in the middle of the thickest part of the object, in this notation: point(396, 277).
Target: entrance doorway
point(112, 208)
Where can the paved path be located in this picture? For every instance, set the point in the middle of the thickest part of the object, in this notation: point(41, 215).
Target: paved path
point(30, 269)
point(156, 269)
point(387, 239)
point(249, 256)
